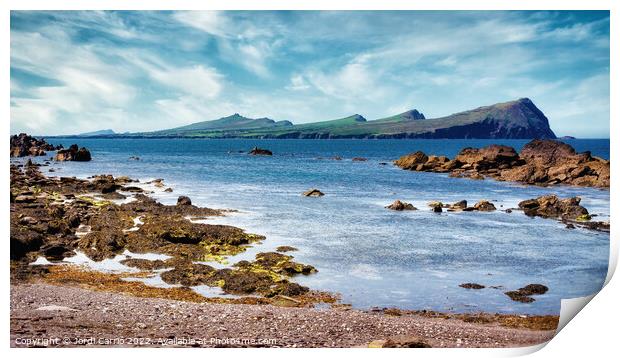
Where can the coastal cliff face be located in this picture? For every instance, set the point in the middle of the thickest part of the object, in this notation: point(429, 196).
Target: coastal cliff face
point(519, 119)
point(541, 162)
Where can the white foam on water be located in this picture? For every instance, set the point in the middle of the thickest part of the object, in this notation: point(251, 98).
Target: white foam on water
point(151, 256)
point(153, 281)
point(137, 222)
point(41, 261)
point(105, 265)
point(365, 271)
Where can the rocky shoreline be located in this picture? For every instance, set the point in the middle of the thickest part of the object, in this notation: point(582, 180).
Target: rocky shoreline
point(56, 217)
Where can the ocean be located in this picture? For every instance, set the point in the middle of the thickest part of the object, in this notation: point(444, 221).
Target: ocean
point(372, 256)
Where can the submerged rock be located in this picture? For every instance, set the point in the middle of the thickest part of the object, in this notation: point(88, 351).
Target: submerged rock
point(285, 248)
point(472, 286)
point(400, 206)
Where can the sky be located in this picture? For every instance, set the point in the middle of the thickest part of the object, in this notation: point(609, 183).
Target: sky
point(74, 72)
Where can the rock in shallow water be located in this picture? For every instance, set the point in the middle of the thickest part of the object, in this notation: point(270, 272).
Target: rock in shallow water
point(400, 206)
point(260, 151)
point(472, 286)
point(313, 192)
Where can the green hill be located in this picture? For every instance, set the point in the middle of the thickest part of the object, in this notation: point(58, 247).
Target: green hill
point(514, 119)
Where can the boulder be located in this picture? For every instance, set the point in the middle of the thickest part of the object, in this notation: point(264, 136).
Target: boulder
point(459, 205)
point(400, 206)
point(484, 205)
point(550, 206)
point(73, 154)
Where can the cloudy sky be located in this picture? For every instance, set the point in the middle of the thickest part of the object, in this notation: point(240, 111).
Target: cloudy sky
point(73, 72)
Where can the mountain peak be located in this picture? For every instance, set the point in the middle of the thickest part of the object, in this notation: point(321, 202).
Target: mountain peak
point(358, 118)
point(412, 115)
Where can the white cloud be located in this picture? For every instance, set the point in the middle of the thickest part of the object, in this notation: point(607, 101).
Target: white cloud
point(84, 80)
point(212, 22)
point(198, 81)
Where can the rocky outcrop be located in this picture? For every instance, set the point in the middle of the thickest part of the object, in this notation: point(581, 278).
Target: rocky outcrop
point(400, 206)
point(260, 151)
point(73, 154)
point(550, 206)
point(23, 145)
point(541, 162)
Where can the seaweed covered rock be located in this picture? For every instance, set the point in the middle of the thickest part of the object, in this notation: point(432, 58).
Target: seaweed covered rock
point(282, 264)
point(99, 245)
point(523, 294)
point(190, 275)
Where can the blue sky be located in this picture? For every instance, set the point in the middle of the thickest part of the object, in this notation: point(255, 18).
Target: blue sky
point(74, 72)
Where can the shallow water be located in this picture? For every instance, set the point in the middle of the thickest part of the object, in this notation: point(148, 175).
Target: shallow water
point(374, 256)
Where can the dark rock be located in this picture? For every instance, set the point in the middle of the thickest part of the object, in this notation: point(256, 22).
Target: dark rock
point(73, 154)
point(472, 286)
point(260, 151)
point(462, 204)
point(359, 159)
point(523, 294)
point(24, 145)
point(184, 200)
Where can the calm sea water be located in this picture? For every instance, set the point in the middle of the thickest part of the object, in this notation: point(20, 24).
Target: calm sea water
point(371, 255)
